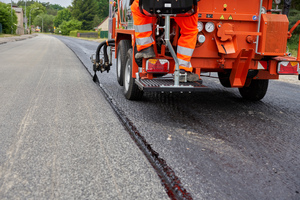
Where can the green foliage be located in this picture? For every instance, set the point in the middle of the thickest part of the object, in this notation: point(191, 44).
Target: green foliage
point(57, 31)
point(34, 10)
point(295, 4)
point(293, 42)
point(85, 12)
point(103, 6)
point(71, 25)
point(62, 15)
point(45, 21)
point(75, 32)
point(96, 21)
point(51, 9)
point(56, 7)
point(7, 22)
point(294, 16)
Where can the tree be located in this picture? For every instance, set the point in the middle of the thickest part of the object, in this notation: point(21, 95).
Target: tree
point(71, 25)
point(45, 21)
point(103, 6)
point(295, 4)
point(96, 21)
point(7, 22)
point(62, 15)
point(36, 9)
point(53, 9)
point(85, 11)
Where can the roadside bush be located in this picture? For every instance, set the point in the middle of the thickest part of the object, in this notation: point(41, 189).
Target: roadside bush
point(294, 16)
point(67, 27)
point(57, 31)
point(5, 19)
point(75, 32)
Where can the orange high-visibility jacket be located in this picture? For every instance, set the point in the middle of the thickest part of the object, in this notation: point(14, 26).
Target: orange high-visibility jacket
point(186, 42)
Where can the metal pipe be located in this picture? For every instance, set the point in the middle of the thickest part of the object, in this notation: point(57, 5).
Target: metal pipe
point(167, 39)
point(25, 18)
point(298, 55)
point(11, 16)
point(258, 27)
point(30, 17)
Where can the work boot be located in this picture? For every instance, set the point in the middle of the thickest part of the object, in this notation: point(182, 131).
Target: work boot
point(189, 77)
point(145, 53)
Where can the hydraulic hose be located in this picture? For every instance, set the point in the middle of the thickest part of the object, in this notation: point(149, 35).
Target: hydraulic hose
point(105, 43)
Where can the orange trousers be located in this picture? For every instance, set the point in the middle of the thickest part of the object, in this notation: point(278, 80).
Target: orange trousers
point(186, 43)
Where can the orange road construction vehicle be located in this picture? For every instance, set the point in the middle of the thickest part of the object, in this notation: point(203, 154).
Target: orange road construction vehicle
point(244, 42)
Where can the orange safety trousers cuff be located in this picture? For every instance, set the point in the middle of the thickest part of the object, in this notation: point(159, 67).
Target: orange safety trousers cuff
point(187, 40)
point(143, 28)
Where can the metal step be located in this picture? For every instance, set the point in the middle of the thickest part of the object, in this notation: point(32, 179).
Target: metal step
point(167, 85)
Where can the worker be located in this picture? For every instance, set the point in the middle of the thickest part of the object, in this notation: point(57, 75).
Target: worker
point(286, 7)
point(186, 42)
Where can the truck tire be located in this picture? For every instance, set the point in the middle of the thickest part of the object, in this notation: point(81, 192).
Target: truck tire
point(131, 90)
point(123, 48)
point(224, 78)
point(255, 91)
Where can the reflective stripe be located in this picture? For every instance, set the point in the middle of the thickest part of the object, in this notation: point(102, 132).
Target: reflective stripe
point(184, 63)
point(143, 41)
point(185, 51)
point(143, 28)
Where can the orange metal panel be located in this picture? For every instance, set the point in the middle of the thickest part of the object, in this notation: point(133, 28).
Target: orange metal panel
point(265, 75)
point(228, 10)
point(274, 30)
point(240, 70)
point(113, 35)
point(273, 67)
point(229, 6)
point(298, 56)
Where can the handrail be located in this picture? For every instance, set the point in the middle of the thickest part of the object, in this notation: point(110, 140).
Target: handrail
point(167, 39)
point(258, 27)
point(298, 55)
point(290, 35)
point(292, 29)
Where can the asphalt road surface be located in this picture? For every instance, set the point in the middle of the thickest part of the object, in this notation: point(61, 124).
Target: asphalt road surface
point(59, 138)
point(220, 146)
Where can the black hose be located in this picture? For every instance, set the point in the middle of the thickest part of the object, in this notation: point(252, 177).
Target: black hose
point(105, 51)
point(110, 42)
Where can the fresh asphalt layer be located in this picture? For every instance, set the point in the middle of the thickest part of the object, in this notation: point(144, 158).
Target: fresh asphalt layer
point(59, 138)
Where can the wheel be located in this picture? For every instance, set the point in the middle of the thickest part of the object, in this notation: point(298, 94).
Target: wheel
point(123, 47)
point(131, 90)
point(224, 78)
point(255, 91)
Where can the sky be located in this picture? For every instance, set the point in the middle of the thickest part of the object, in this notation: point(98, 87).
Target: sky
point(64, 3)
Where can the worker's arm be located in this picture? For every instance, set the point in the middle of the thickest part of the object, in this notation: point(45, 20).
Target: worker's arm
point(286, 7)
